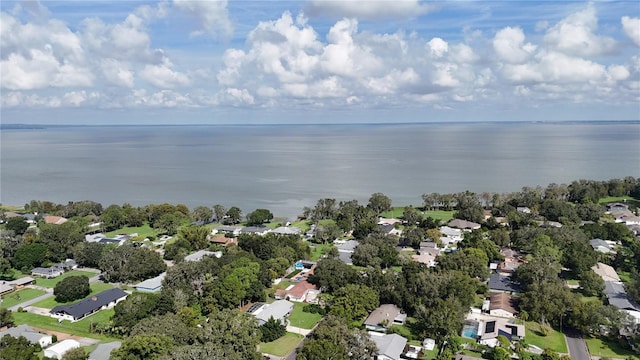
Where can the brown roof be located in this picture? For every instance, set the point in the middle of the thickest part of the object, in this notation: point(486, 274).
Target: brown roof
point(54, 220)
point(384, 312)
point(504, 302)
point(300, 288)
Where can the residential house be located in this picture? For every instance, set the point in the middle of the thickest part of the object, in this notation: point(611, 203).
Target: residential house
point(508, 265)
point(279, 310)
point(200, 254)
point(613, 207)
point(151, 285)
point(601, 246)
point(22, 282)
point(606, 272)
point(49, 273)
point(427, 253)
point(450, 235)
point(390, 229)
point(463, 224)
point(425, 257)
point(57, 220)
point(227, 229)
point(389, 221)
point(549, 224)
point(503, 305)
point(5, 288)
point(493, 328)
point(29, 333)
point(617, 296)
point(384, 317)
point(302, 291)
point(103, 351)
point(345, 250)
point(523, 210)
point(58, 350)
point(503, 283)
point(117, 240)
point(390, 346)
point(94, 237)
point(223, 240)
point(257, 230)
point(77, 311)
point(287, 230)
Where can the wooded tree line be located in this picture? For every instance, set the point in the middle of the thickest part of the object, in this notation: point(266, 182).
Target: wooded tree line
point(197, 306)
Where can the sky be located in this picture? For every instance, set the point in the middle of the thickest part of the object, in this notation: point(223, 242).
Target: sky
point(317, 61)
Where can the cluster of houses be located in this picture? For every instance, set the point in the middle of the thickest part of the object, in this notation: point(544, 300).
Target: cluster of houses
point(59, 349)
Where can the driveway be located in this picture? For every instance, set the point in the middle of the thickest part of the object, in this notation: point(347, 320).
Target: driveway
point(577, 346)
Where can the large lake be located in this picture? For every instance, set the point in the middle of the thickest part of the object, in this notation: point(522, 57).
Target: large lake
point(284, 168)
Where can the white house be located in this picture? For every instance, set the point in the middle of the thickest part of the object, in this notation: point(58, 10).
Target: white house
point(58, 350)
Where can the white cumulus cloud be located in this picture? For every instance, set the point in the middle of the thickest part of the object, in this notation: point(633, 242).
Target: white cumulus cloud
point(212, 16)
point(631, 27)
point(509, 45)
point(575, 35)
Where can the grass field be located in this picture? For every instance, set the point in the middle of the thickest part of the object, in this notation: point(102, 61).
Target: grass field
point(80, 328)
point(396, 212)
point(301, 319)
point(554, 341)
point(318, 250)
point(144, 231)
point(51, 283)
point(19, 296)
point(623, 199)
point(605, 348)
point(51, 302)
point(282, 346)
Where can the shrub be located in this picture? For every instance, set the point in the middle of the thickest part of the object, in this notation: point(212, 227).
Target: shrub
point(314, 309)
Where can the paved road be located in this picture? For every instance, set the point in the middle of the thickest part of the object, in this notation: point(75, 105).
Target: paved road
point(24, 304)
point(577, 346)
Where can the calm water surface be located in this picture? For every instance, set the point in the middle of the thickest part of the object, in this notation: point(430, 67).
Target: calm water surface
point(284, 168)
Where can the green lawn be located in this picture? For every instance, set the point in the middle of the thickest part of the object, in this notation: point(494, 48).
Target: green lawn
point(282, 346)
point(51, 283)
point(625, 276)
point(301, 319)
point(555, 340)
point(304, 225)
point(12, 274)
point(606, 348)
point(51, 302)
point(80, 328)
point(19, 296)
point(318, 250)
point(440, 214)
point(144, 231)
point(620, 199)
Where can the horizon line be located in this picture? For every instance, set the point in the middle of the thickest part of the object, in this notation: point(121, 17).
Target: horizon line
point(329, 123)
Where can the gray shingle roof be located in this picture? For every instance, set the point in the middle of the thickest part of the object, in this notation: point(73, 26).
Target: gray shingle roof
point(617, 296)
point(103, 351)
point(503, 283)
point(390, 345)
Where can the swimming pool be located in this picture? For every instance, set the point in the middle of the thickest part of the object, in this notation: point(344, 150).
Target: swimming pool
point(470, 329)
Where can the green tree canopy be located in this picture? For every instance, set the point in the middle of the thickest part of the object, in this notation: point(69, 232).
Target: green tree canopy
point(353, 302)
point(16, 224)
point(72, 288)
point(259, 217)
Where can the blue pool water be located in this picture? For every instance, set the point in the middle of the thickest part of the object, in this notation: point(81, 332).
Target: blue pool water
point(470, 330)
